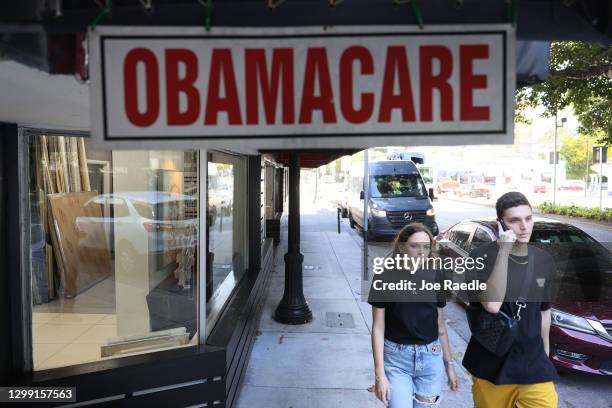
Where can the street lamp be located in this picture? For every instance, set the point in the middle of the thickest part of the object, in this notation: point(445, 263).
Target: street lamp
point(557, 126)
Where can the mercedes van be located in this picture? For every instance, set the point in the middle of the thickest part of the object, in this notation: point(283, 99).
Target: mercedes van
point(397, 197)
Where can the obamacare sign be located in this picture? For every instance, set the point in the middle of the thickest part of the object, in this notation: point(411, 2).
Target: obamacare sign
point(302, 83)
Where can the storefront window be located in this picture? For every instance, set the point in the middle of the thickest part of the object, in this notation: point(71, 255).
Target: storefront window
point(227, 253)
point(114, 251)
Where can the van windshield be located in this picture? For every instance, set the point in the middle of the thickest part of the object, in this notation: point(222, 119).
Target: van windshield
point(397, 185)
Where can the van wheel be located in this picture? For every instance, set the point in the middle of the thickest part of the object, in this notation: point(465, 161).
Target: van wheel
point(344, 213)
point(351, 220)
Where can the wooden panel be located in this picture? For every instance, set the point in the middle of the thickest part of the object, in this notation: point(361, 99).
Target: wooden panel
point(80, 239)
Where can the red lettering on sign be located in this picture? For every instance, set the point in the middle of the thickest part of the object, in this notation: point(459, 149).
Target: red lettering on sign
point(396, 62)
point(317, 66)
point(469, 81)
point(256, 75)
point(175, 86)
point(130, 86)
point(429, 81)
point(222, 65)
point(351, 54)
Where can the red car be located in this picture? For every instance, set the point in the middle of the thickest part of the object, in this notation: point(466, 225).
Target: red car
point(581, 337)
point(581, 332)
point(571, 185)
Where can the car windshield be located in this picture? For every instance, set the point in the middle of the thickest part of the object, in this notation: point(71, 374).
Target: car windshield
point(397, 185)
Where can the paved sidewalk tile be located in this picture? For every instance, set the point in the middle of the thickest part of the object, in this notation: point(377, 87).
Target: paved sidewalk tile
point(310, 360)
point(317, 287)
point(319, 308)
point(306, 398)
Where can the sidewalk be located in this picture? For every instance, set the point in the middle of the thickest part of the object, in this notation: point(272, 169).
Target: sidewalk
point(315, 365)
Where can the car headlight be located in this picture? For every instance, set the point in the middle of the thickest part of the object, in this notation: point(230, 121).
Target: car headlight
point(430, 212)
point(378, 212)
point(570, 321)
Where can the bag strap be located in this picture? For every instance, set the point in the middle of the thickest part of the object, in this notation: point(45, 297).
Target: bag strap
point(521, 300)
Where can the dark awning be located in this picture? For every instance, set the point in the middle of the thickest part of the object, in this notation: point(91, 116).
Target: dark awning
point(310, 159)
point(45, 37)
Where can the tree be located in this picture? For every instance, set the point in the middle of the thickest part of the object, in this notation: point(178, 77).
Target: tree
point(574, 151)
point(580, 76)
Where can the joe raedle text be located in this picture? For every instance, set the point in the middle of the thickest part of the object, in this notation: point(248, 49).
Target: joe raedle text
point(447, 284)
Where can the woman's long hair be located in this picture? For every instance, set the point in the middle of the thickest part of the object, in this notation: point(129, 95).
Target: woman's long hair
point(405, 234)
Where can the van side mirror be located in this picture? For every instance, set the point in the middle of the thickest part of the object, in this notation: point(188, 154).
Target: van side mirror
point(361, 196)
point(431, 194)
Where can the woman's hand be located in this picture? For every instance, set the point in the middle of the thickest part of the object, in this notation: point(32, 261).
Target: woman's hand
point(453, 380)
point(382, 388)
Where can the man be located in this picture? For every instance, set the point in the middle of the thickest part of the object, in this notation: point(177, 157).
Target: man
point(524, 376)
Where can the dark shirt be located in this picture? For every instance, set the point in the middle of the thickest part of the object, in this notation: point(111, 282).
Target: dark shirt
point(526, 362)
point(408, 321)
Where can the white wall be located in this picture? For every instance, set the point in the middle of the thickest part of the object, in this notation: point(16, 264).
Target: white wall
point(33, 97)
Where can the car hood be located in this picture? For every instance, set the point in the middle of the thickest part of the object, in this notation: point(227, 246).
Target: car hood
point(601, 311)
point(402, 203)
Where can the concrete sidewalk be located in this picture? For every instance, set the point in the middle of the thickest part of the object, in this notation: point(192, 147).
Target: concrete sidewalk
point(315, 365)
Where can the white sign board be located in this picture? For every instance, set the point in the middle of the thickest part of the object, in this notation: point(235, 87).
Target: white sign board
point(302, 87)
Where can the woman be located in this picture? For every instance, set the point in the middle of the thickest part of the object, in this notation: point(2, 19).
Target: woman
point(409, 339)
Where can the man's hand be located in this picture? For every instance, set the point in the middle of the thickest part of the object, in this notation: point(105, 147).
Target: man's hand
point(505, 236)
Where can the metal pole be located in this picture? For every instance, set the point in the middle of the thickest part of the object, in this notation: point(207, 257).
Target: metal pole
point(293, 308)
point(600, 177)
point(555, 164)
point(366, 195)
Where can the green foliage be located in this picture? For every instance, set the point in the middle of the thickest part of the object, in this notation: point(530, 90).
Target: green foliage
point(575, 211)
point(574, 151)
point(580, 76)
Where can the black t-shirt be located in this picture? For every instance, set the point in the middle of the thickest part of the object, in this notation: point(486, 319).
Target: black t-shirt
point(408, 321)
point(526, 362)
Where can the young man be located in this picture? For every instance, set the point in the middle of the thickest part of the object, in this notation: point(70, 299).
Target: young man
point(524, 376)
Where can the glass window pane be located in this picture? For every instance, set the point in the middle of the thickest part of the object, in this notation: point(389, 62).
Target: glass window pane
point(480, 237)
point(114, 251)
point(227, 205)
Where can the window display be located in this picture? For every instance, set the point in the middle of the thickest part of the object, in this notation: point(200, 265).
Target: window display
point(114, 250)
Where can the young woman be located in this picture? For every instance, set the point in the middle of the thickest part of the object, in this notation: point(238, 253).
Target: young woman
point(409, 339)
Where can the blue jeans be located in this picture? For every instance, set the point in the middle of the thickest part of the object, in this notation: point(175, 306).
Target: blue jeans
point(412, 370)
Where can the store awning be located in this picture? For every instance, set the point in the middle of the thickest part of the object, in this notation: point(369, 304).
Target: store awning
point(310, 159)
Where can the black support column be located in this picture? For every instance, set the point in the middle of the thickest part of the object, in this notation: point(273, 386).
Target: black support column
point(293, 308)
point(11, 322)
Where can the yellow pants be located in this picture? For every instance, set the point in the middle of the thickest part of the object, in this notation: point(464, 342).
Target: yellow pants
point(488, 395)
